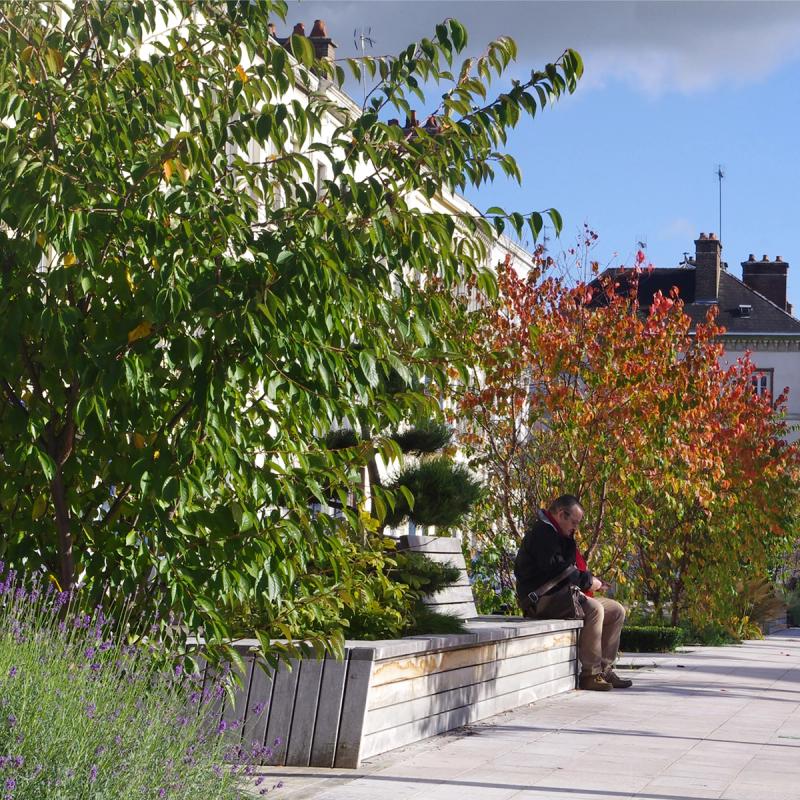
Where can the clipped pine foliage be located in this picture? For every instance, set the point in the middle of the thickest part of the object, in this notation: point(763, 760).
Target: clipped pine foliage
point(341, 438)
point(421, 574)
point(425, 438)
point(443, 493)
point(427, 621)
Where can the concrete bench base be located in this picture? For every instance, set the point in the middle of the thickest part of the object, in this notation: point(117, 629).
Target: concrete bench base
point(385, 694)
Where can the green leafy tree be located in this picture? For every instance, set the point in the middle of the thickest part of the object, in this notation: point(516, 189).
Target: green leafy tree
point(180, 323)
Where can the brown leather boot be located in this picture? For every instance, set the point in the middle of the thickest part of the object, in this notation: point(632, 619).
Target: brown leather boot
point(615, 680)
point(594, 683)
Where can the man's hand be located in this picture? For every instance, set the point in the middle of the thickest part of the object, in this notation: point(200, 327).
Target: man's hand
point(597, 585)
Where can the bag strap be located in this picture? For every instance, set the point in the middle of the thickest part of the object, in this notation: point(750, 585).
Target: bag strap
point(546, 587)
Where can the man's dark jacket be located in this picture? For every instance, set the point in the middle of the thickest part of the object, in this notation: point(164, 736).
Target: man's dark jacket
point(545, 552)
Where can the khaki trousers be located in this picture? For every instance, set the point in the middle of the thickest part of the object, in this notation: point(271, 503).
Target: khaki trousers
point(599, 639)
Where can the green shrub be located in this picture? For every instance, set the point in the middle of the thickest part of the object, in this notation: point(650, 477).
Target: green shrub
point(793, 606)
point(443, 493)
point(85, 715)
point(711, 634)
point(428, 437)
point(340, 438)
point(421, 574)
point(650, 638)
point(396, 608)
point(427, 621)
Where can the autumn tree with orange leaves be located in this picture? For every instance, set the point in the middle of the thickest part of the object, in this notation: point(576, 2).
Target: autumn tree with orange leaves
point(684, 473)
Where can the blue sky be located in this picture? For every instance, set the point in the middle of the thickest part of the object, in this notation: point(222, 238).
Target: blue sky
point(671, 89)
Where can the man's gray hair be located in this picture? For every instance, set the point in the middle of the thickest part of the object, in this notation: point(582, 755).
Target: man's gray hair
point(566, 502)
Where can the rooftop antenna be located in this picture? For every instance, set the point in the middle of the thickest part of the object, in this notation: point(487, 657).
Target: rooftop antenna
point(362, 38)
point(720, 175)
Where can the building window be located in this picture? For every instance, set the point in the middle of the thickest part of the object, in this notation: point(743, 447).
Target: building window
point(762, 382)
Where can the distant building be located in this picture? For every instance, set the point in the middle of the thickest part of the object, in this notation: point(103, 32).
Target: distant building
point(753, 310)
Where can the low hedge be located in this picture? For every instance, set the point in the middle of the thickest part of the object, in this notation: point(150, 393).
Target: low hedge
point(650, 638)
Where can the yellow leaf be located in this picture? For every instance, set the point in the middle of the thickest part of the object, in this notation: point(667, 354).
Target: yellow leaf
point(167, 167)
point(54, 59)
point(156, 454)
point(131, 284)
point(38, 115)
point(70, 260)
point(140, 331)
point(182, 169)
point(39, 507)
point(40, 240)
point(26, 54)
point(242, 75)
point(138, 441)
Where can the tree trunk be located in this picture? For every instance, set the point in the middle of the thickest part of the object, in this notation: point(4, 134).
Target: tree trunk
point(66, 559)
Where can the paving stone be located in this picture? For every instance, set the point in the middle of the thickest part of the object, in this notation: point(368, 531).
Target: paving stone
point(723, 726)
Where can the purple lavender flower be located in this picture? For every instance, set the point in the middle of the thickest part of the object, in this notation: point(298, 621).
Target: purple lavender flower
point(258, 708)
point(93, 773)
point(12, 673)
point(91, 709)
point(11, 784)
point(12, 720)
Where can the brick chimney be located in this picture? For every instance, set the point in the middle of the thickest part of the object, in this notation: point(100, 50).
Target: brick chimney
point(707, 268)
point(768, 278)
point(324, 46)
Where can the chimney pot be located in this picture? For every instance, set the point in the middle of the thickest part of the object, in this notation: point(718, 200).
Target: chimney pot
point(319, 29)
point(299, 29)
point(272, 29)
point(411, 120)
point(394, 121)
point(702, 235)
point(767, 278)
point(712, 235)
point(751, 257)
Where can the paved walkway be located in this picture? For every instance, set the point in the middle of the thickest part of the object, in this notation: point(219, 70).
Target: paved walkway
point(719, 722)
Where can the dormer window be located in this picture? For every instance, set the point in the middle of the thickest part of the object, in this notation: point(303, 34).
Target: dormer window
point(745, 310)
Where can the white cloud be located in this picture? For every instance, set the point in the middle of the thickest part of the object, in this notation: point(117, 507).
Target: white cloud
point(656, 47)
point(680, 229)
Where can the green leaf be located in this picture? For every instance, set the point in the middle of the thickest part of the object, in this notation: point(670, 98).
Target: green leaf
point(368, 364)
point(302, 49)
point(47, 464)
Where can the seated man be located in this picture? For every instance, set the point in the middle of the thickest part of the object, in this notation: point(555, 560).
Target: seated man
point(548, 548)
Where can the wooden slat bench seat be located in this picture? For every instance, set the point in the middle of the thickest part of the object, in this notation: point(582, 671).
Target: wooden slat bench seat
point(385, 694)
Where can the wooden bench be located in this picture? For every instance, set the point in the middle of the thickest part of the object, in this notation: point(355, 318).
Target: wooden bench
point(385, 694)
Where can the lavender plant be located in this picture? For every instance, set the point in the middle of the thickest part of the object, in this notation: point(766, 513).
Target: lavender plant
point(88, 711)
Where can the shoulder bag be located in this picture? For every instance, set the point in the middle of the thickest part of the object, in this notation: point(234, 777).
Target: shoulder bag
point(563, 604)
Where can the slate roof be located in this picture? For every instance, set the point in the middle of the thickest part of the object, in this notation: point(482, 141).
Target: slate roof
point(765, 317)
